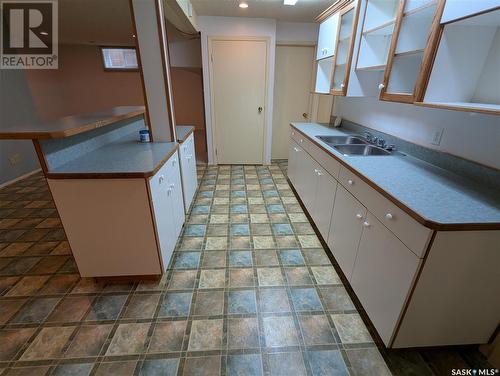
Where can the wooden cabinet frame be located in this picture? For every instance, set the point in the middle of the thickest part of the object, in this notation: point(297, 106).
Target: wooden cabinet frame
point(427, 58)
point(420, 94)
point(352, 39)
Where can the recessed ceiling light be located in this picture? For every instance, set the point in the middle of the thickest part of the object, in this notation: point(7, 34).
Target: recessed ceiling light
point(289, 2)
point(243, 5)
point(44, 33)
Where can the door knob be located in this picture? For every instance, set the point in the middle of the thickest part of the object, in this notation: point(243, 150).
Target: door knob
point(259, 109)
point(305, 115)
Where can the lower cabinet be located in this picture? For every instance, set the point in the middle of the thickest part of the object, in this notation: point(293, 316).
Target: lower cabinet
point(166, 196)
point(189, 175)
point(345, 229)
point(293, 163)
point(383, 275)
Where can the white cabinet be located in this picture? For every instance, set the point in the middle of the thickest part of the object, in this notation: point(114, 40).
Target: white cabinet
point(293, 162)
point(188, 170)
point(168, 208)
point(457, 9)
point(345, 229)
point(308, 180)
point(327, 37)
point(326, 187)
point(383, 275)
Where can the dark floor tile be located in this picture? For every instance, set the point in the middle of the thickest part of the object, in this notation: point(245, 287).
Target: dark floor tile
point(81, 369)
point(316, 256)
point(167, 337)
point(209, 303)
point(316, 330)
point(129, 339)
point(159, 367)
point(243, 333)
point(28, 371)
point(71, 309)
point(59, 284)
point(33, 235)
point(7, 236)
point(183, 280)
point(282, 229)
point(19, 266)
point(291, 257)
point(125, 368)
point(351, 328)
point(15, 249)
point(118, 287)
point(8, 308)
point(202, 366)
point(241, 302)
point(367, 362)
point(327, 363)
point(49, 264)
point(175, 304)
point(49, 343)
point(27, 286)
point(241, 277)
point(142, 306)
point(250, 364)
point(336, 298)
point(407, 363)
point(286, 364)
point(187, 260)
point(240, 258)
point(55, 235)
point(205, 335)
point(298, 276)
point(88, 341)
point(35, 311)
point(214, 259)
point(106, 307)
point(12, 341)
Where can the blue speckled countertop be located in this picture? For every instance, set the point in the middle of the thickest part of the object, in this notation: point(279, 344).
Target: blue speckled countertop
point(434, 194)
point(125, 156)
point(182, 132)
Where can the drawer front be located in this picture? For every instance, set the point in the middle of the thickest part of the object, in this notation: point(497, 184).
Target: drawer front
point(415, 236)
point(297, 136)
point(326, 161)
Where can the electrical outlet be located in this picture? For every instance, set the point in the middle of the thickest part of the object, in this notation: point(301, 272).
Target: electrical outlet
point(14, 159)
point(437, 135)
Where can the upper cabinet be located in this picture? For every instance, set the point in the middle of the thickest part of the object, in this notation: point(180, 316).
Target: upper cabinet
point(416, 33)
point(326, 39)
point(345, 44)
point(465, 74)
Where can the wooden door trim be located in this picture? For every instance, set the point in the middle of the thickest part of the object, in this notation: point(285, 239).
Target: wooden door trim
point(213, 128)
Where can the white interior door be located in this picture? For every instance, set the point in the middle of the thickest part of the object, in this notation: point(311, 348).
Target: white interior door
point(292, 86)
point(238, 81)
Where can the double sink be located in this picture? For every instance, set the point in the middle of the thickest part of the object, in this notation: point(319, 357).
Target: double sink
point(353, 145)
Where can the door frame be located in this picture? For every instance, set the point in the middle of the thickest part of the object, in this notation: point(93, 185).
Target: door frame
point(213, 128)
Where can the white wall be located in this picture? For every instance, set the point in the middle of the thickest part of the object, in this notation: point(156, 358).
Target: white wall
point(16, 107)
point(296, 32)
point(471, 136)
point(237, 26)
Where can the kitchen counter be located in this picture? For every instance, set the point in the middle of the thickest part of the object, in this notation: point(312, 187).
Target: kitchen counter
point(71, 125)
point(435, 197)
point(182, 132)
point(125, 157)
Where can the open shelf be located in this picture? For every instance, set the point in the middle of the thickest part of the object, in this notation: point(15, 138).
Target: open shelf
point(404, 73)
point(465, 72)
point(379, 12)
point(324, 75)
point(415, 6)
point(415, 28)
point(378, 68)
point(383, 29)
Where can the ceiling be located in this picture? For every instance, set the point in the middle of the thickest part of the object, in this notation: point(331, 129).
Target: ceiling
point(303, 11)
point(101, 22)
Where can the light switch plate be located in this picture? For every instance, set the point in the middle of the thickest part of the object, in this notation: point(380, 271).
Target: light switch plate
point(437, 135)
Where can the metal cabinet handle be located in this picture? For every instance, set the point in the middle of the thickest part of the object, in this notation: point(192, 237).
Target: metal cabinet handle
point(366, 224)
point(260, 109)
point(359, 216)
point(389, 216)
point(350, 182)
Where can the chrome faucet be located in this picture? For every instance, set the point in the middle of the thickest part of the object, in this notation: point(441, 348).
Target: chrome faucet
point(368, 136)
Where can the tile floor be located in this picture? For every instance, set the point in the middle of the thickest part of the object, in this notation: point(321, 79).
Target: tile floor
point(250, 291)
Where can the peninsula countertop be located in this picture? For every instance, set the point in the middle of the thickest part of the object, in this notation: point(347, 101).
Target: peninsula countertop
point(182, 132)
point(70, 125)
point(437, 198)
point(122, 158)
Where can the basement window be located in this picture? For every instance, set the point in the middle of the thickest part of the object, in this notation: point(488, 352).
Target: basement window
point(119, 58)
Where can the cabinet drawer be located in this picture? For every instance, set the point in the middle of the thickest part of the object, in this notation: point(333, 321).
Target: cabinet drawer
point(326, 161)
point(415, 236)
point(297, 136)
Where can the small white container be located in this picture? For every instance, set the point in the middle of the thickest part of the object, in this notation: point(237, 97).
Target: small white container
point(144, 135)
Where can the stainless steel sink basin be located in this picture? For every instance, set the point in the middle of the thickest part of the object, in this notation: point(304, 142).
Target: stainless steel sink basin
point(360, 150)
point(342, 140)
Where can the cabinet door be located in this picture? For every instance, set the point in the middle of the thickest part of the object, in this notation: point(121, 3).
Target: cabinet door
point(323, 203)
point(345, 229)
point(188, 171)
point(415, 36)
point(175, 196)
point(326, 37)
point(162, 207)
point(383, 275)
point(309, 180)
point(293, 162)
point(344, 49)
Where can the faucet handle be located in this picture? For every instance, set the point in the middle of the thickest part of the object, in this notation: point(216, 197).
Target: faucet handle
point(368, 136)
point(381, 142)
point(391, 147)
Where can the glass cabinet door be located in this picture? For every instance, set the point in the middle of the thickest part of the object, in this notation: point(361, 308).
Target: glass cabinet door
point(343, 55)
point(418, 25)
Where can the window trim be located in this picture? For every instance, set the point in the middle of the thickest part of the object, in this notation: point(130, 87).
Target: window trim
point(106, 69)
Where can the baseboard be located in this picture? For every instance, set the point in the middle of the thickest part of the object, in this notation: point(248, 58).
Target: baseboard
point(3, 185)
